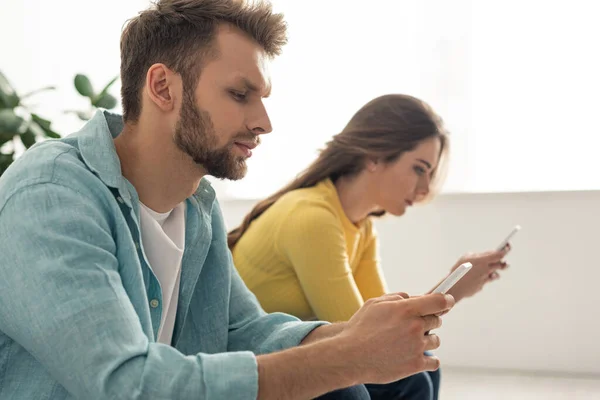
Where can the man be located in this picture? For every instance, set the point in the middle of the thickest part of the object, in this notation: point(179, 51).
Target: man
point(116, 280)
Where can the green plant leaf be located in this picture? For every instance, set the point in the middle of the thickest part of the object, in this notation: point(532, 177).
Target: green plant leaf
point(6, 137)
point(36, 129)
point(108, 85)
point(84, 86)
point(8, 97)
point(44, 123)
point(28, 138)
point(107, 101)
point(83, 115)
point(33, 132)
point(44, 89)
point(11, 122)
point(5, 161)
point(104, 99)
point(52, 134)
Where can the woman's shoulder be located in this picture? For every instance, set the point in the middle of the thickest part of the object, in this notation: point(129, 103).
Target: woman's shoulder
point(304, 199)
point(368, 228)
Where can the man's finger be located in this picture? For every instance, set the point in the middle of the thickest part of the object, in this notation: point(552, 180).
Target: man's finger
point(442, 313)
point(393, 297)
point(431, 322)
point(431, 304)
point(432, 341)
point(431, 363)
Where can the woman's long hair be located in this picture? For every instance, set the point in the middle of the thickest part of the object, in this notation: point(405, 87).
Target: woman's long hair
point(382, 129)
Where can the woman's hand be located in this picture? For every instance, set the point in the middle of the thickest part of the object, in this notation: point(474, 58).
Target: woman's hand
point(485, 269)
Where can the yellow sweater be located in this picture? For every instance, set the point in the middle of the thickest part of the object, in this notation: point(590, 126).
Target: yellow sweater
point(304, 257)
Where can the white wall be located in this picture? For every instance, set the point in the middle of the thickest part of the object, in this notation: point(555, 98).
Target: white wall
point(49, 42)
point(500, 91)
point(541, 315)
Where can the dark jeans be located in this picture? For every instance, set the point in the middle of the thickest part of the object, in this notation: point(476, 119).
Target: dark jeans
point(422, 386)
point(352, 393)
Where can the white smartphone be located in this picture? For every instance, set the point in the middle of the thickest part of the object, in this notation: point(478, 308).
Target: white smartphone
point(516, 229)
point(453, 278)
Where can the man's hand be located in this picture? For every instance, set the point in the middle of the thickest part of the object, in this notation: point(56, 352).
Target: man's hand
point(485, 269)
point(386, 338)
point(383, 342)
point(324, 332)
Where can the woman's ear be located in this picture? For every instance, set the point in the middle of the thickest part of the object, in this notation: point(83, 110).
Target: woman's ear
point(372, 165)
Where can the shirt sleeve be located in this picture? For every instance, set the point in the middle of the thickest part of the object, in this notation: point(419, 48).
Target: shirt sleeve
point(63, 301)
point(313, 240)
point(369, 276)
point(250, 327)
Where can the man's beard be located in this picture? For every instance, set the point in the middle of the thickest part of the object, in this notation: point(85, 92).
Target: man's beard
point(195, 135)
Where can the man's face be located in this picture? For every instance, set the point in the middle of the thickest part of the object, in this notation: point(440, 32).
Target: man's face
point(221, 119)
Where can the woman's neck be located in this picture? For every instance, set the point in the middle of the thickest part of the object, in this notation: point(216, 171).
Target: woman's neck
point(353, 194)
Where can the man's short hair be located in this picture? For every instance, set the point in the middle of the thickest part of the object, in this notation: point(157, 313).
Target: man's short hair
point(180, 34)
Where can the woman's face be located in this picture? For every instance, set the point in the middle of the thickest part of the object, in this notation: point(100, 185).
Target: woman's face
point(399, 184)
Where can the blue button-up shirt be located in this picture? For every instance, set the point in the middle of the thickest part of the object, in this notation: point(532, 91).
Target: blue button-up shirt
point(79, 305)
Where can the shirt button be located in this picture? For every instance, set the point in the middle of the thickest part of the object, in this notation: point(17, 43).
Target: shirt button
point(153, 303)
point(120, 200)
point(137, 245)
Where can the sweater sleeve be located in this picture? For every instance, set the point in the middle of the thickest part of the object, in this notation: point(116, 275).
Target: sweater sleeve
point(312, 238)
point(369, 276)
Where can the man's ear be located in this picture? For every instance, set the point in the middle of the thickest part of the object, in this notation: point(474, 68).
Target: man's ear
point(161, 87)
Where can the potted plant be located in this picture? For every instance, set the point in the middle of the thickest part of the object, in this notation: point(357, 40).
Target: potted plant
point(19, 122)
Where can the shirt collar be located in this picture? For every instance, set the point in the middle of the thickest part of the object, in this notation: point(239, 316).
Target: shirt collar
point(100, 155)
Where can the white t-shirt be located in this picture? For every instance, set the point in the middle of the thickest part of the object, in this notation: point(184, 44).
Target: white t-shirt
point(163, 239)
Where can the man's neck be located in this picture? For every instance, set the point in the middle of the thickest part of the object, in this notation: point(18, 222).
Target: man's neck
point(162, 175)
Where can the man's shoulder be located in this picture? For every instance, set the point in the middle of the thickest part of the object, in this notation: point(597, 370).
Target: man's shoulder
point(51, 162)
point(218, 225)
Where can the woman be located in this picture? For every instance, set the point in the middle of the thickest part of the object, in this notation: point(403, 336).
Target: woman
point(310, 249)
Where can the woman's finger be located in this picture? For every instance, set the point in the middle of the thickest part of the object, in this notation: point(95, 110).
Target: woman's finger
point(497, 265)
